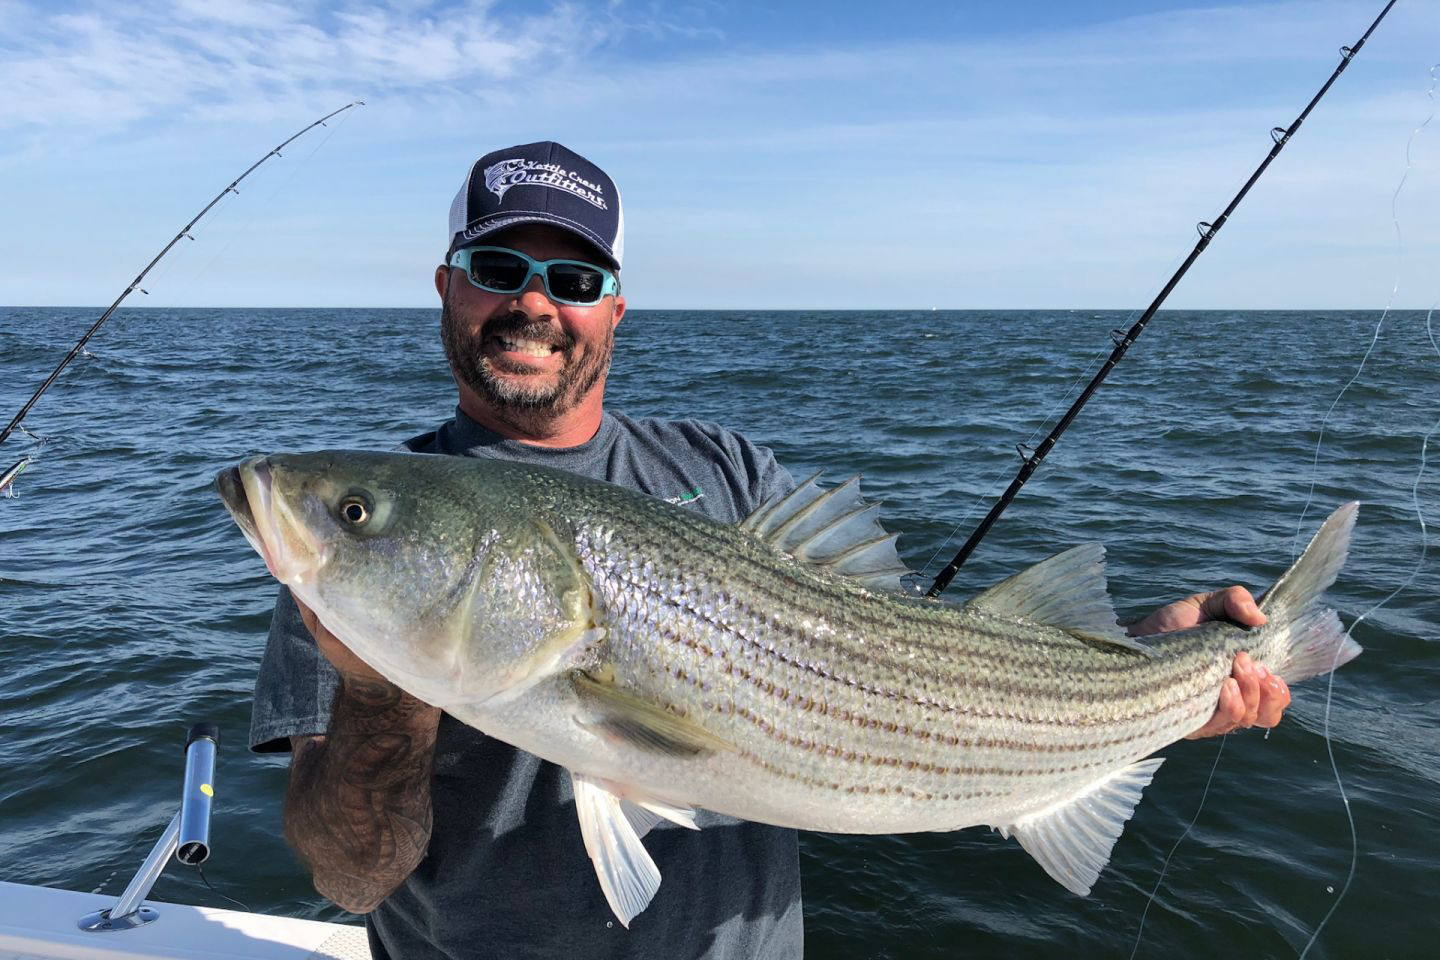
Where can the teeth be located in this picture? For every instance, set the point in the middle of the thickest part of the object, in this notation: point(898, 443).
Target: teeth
point(531, 348)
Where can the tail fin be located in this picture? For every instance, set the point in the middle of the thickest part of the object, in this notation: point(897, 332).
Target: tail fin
point(1313, 640)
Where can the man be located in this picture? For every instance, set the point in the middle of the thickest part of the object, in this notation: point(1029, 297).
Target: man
point(456, 845)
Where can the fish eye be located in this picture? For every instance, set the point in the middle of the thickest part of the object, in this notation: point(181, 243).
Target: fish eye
point(355, 509)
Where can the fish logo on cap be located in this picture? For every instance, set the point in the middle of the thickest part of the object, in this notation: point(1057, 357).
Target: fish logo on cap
point(500, 177)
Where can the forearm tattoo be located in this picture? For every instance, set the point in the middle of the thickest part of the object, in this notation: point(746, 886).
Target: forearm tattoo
point(357, 811)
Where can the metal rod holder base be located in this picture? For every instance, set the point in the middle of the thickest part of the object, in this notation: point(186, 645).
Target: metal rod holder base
point(127, 913)
point(99, 921)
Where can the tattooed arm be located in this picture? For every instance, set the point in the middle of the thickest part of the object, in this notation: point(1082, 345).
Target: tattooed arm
point(357, 811)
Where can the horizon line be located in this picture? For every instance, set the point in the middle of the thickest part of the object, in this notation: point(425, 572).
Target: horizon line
point(1130, 309)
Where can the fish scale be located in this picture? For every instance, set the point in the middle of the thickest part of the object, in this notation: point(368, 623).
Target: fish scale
point(772, 671)
point(1071, 687)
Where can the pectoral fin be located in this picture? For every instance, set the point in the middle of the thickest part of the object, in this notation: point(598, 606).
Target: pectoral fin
point(1072, 839)
point(622, 716)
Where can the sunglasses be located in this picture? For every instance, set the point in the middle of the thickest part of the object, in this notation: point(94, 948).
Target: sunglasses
point(502, 270)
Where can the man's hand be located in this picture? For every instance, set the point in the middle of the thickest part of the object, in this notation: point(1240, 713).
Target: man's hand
point(357, 811)
point(1233, 604)
point(1251, 696)
point(340, 656)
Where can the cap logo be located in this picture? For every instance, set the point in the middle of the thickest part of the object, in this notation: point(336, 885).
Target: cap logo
point(501, 176)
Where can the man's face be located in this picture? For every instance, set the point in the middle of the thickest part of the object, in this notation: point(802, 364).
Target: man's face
point(524, 355)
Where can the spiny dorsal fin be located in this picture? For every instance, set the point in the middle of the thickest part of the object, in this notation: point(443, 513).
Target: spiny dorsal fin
point(1067, 591)
point(833, 529)
point(1072, 838)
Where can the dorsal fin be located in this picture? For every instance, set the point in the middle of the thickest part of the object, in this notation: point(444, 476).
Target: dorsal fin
point(1067, 591)
point(834, 529)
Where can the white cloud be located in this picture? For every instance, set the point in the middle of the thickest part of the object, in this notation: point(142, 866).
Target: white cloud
point(237, 13)
point(1041, 166)
point(117, 64)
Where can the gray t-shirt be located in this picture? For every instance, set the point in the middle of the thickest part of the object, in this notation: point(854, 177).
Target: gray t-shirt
point(506, 874)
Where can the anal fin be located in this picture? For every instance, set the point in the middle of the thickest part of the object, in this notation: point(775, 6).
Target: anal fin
point(1072, 838)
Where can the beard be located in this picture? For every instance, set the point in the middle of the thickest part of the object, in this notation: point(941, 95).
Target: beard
point(515, 402)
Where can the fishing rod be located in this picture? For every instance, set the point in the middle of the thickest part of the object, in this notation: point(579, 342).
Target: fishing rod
point(135, 284)
point(1031, 458)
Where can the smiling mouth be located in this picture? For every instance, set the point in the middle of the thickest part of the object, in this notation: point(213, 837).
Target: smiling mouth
point(529, 348)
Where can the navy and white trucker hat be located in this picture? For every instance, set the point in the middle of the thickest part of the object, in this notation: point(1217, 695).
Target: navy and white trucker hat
point(543, 182)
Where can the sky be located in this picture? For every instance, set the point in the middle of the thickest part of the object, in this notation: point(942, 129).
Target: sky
point(962, 155)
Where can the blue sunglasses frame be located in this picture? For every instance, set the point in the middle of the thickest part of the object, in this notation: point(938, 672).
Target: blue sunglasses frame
point(610, 287)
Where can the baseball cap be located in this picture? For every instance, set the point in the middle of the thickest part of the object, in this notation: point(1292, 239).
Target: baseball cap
point(543, 182)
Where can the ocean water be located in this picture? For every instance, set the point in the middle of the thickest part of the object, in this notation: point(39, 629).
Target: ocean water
point(130, 606)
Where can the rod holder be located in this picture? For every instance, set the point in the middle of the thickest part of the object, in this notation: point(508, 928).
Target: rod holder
point(193, 842)
point(187, 837)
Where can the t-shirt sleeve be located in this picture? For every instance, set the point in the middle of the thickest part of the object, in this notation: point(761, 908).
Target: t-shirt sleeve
point(296, 685)
point(754, 474)
point(769, 479)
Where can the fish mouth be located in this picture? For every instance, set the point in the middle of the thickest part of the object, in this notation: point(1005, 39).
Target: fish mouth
point(232, 493)
point(291, 552)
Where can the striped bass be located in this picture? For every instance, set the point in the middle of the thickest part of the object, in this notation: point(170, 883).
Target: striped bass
point(772, 671)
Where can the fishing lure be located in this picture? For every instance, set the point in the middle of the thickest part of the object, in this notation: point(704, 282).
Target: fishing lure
point(1031, 458)
point(135, 284)
point(7, 479)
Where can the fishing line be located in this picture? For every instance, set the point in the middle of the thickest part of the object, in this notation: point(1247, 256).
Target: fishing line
point(1394, 289)
point(217, 216)
point(265, 204)
point(1415, 499)
point(1414, 494)
point(1181, 839)
point(244, 228)
point(41, 441)
point(1330, 686)
point(135, 284)
point(1280, 136)
point(201, 870)
point(202, 231)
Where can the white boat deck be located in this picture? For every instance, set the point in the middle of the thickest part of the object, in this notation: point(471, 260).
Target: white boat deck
point(40, 923)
